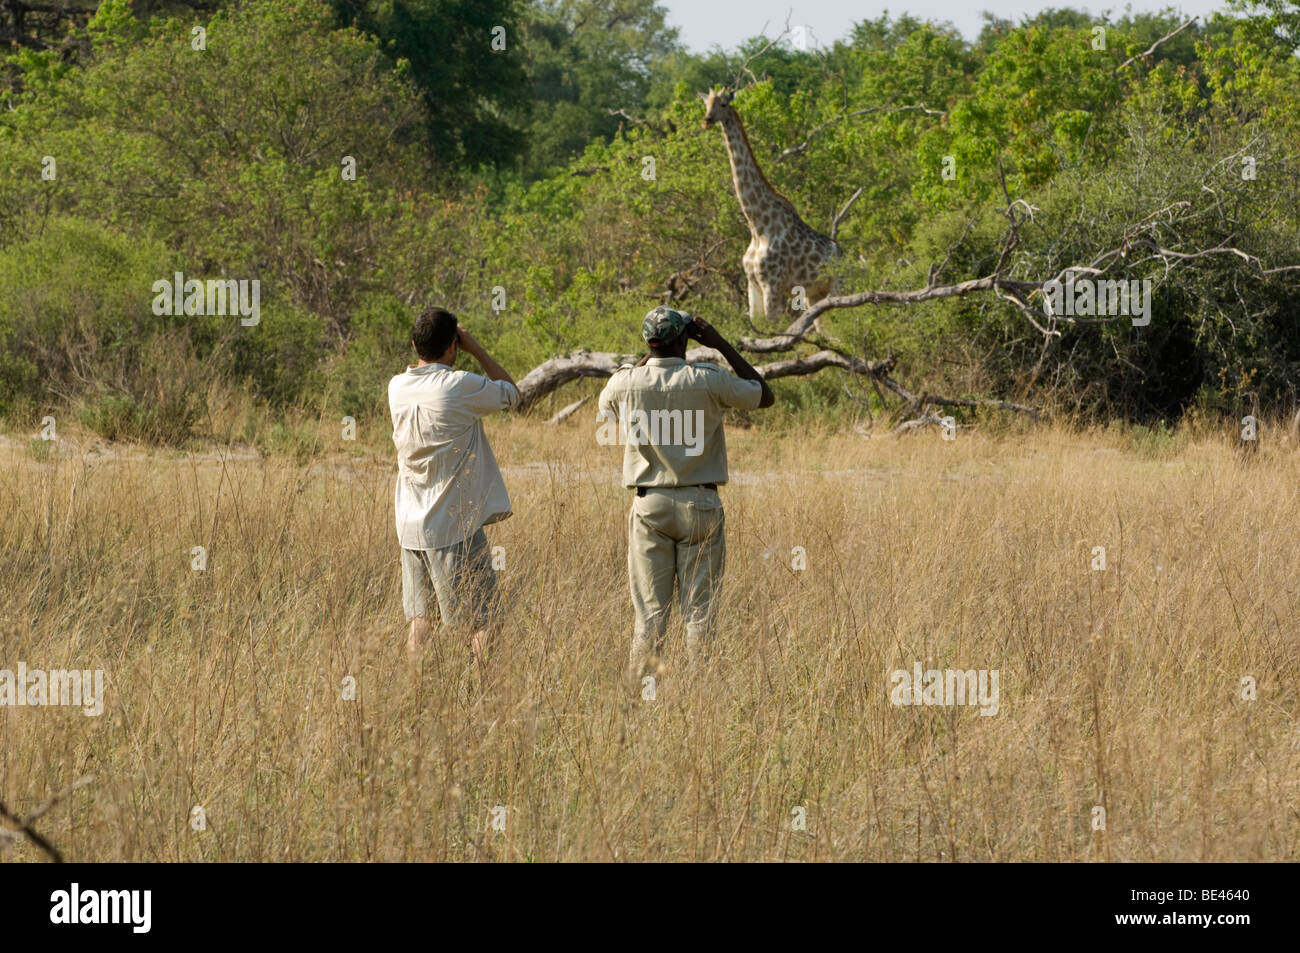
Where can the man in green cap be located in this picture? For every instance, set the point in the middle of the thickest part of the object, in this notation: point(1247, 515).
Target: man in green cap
point(668, 413)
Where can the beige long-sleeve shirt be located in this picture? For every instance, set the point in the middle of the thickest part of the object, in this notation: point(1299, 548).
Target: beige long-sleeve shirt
point(448, 481)
point(669, 416)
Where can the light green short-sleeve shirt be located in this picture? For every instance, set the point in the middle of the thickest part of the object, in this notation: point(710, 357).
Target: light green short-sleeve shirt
point(668, 414)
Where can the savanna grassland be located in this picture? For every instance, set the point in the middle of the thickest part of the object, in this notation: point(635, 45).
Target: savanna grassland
point(1120, 688)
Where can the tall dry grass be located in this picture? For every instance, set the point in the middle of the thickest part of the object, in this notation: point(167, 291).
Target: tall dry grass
point(1119, 688)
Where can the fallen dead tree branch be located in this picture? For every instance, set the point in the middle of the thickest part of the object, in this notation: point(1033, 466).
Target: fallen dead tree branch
point(568, 411)
point(558, 371)
point(929, 420)
point(799, 328)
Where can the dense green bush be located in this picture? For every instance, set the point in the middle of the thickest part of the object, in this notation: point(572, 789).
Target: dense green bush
point(74, 307)
point(76, 318)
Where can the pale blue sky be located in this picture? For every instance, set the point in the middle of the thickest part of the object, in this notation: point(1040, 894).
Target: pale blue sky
point(726, 23)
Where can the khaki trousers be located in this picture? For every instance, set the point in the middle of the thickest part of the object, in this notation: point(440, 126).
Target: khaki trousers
point(676, 536)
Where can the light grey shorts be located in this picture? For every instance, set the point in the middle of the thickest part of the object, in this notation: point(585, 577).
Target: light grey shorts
point(460, 576)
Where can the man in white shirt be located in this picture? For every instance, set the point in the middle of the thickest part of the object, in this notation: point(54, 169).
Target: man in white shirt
point(448, 483)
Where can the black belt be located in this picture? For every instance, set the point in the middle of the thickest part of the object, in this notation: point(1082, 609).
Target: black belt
point(640, 491)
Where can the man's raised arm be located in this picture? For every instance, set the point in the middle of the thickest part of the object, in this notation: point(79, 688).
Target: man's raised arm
point(708, 335)
point(491, 368)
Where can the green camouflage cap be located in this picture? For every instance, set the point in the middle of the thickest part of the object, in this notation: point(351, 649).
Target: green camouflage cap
point(664, 325)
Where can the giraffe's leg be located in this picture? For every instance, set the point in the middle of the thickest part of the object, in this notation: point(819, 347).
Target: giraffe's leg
point(750, 265)
point(815, 294)
point(773, 304)
point(755, 300)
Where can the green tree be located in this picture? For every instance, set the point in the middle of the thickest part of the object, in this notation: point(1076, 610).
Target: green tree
point(465, 58)
point(586, 61)
point(236, 155)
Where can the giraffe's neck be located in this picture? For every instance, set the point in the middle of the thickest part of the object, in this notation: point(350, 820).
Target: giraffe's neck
point(752, 188)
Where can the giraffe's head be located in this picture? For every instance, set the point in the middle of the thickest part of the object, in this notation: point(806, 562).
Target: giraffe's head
point(715, 102)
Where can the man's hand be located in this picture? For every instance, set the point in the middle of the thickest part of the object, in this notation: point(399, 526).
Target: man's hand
point(708, 335)
point(475, 350)
point(467, 342)
point(700, 330)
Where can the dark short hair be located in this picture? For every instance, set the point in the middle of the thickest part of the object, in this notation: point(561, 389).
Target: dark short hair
point(433, 333)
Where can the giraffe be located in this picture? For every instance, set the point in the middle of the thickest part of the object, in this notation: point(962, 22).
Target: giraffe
point(784, 251)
